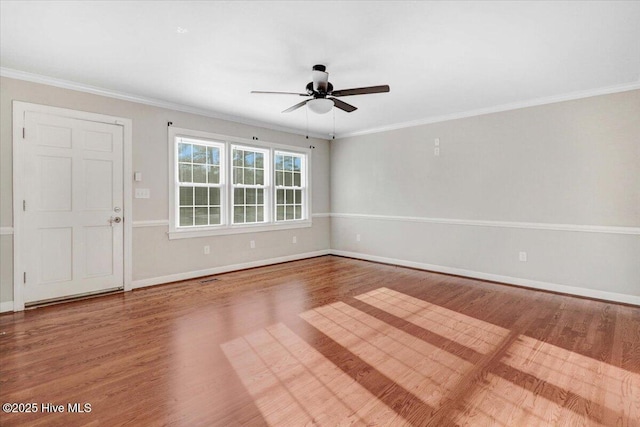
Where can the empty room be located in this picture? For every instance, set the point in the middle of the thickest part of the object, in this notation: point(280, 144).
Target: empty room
point(320, 213)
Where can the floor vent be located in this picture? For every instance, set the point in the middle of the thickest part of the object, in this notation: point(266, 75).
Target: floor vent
point(214, 279)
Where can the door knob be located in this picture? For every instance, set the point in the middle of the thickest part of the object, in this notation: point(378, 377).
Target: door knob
point(116, 219)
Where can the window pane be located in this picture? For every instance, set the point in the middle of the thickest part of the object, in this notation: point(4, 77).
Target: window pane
point(237, 157)
point(288, 163)
point(251, 196)
point(289, 212)
point(238, 176)
point(214, 196)
point(214, 216)
point(260, 176)
point(213, 155)
point(289, 197)
point(288, 179)
point(238, 196)
point(280, 197)
point(298, 212)
point(251, 213)
point(249, 159)
point(202, 216)
point(279, 162)
point(186, 216)
point(202, 198)
point(186, 196)
point(184, 153)
point(260, 192)
point(260, 213)
point(199, 173)
point(296, 179)
point(280, 213)
point(260, 160)
point(199, 154)
point(298, 194)
point(214, 174)
point(279, 178)
point(238, 214)
point(185, 173)
point(296, 164)
point(249, 177)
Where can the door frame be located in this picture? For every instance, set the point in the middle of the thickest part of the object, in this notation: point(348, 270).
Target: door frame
point(19, 111)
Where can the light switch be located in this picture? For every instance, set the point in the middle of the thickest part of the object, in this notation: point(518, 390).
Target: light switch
point(137, 176)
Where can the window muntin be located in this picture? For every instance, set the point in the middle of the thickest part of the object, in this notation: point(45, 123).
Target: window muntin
point(250, 183)
point(200, 181)
point(290, 186)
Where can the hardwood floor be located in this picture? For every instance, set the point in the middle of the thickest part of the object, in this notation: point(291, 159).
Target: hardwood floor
point(325, 341)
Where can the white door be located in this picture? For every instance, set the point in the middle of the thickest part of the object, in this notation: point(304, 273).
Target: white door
point(72, 228)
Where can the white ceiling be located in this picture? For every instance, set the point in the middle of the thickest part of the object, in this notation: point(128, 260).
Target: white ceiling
point(440, 58)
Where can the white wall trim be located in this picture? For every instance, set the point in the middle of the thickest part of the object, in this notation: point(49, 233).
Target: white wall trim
point(499, 108)
point(151, 223)
point(224, 269)
point(165, 222)
point(502, 224)
point(67, 84)
point(5, 231)
point(6, 306)
point(80, 87)
point(547, 286)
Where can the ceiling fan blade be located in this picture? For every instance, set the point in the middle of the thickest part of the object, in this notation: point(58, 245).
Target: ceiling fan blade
point(361, 90)
point(280, 93)
point(343, 105)
point(295, 107)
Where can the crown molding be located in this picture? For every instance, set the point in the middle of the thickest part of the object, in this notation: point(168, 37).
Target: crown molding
point(67, 84)
point(500, 108)
point(154, 102)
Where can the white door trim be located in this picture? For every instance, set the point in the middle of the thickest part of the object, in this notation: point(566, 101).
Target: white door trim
point(19, 111)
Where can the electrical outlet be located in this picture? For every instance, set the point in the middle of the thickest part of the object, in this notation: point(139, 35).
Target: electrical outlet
point(294, 240)
point(207, 250)
point(357, 237)
point(252, 244)
point(142, 193)
point(522, 256)
point(436, 151)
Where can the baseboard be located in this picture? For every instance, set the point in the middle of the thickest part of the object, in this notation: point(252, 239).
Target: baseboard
point(528, 283)
point(224, 269)
point(6, 306)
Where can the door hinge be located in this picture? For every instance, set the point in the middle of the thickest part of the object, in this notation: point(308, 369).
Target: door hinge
point(23, 133)
point(24, 277)
point(24, 205)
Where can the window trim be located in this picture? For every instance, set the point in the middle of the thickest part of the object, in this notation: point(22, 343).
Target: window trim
point(176, 232)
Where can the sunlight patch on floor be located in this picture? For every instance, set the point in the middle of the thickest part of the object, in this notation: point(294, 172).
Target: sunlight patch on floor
point(419, 367)
point(473, 333)
point(293, 384)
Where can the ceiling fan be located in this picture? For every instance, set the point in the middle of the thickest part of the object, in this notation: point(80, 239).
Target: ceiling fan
point(322, 93)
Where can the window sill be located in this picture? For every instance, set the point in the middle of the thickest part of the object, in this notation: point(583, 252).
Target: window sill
point(237, 229)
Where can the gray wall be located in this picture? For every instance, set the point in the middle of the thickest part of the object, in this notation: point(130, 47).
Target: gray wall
point(153, 254)
point(574, 163)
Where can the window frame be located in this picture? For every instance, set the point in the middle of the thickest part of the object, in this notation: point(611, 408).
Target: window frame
point(227, 226)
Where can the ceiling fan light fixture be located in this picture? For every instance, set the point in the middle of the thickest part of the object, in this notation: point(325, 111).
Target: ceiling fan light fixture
point(320, 105)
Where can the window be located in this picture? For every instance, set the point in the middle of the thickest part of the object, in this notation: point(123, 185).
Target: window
point(289, 186)
point(250, 175)
point(200, 182)
point(226, 185)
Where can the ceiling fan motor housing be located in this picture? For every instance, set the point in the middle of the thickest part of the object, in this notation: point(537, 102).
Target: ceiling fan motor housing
point(318, 94)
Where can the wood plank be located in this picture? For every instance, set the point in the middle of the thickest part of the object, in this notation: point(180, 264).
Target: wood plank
point(326, 341)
